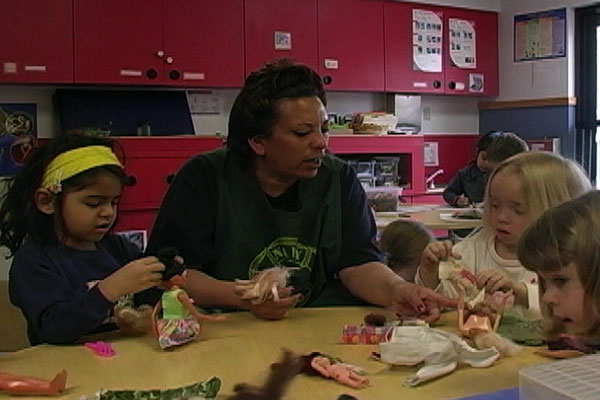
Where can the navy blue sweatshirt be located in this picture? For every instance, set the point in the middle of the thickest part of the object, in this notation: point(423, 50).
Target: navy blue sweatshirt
point(54, 286)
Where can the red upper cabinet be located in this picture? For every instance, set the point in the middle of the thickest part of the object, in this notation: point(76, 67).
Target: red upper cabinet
point(118, 41)
point(281, 28)
point(351, 44)
point(471, 41)
point(178, 43)
point(205, 40)
point(414, 54)
point(37, 41)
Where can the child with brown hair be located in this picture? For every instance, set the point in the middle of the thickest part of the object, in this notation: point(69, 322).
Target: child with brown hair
point(468, 185)
point(563, 248)
point(404, 241)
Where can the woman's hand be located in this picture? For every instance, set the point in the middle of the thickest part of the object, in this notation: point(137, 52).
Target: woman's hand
point(414, 301)
point(134, 277)
point(274, 310)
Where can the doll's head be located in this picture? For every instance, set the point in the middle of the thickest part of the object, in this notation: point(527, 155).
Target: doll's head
point(169, 256)
point(404, 242)
point(563, 248)
point(524, 186)
point(67, 192)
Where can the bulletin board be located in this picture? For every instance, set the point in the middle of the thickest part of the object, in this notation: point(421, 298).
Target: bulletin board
point(540, 35)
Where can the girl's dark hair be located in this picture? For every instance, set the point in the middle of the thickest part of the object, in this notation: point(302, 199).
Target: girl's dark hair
point(255, 109)
point(486, 140)
point(20, 219)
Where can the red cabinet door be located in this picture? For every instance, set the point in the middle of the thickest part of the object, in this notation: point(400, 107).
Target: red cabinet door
point(205, 40)
point(37, 41)
point(408, 66)
point(118, 41)
point(281, 28)
point(351, 44)
point(478, 77)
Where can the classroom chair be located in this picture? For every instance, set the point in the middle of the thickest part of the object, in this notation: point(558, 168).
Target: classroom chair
point(13, 327)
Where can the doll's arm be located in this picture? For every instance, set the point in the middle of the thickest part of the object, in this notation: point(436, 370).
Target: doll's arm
point(24, 385)
point(189, 305)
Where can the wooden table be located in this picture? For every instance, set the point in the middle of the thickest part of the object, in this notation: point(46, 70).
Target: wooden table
point(242, 348)
point(431, 218)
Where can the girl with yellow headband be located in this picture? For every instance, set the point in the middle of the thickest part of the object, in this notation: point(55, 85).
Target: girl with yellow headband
point(68, 271)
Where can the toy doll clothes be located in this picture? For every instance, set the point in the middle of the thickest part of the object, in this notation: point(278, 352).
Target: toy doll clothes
point(176, 325)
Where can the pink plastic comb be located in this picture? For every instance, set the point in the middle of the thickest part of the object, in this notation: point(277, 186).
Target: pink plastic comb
point(102, 349)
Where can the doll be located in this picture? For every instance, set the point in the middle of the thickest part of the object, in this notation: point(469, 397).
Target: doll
point(320, 364)
point(179, 321)
point(264, 286)
point(136, 321)
point(480, 321)
point(24, 385)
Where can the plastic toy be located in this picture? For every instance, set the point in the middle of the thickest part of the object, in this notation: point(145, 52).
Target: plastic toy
point(25, 385)
point(480, 321)
point(320, 364)
point(263, 286)
point(176, 320)
point(102, 349)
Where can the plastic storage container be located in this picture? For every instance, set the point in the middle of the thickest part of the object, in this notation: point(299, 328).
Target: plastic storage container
point(384, 198)
point(573, 379)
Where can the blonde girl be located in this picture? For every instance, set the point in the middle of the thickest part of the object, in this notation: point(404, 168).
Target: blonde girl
point(563, 248)
point(519, 190)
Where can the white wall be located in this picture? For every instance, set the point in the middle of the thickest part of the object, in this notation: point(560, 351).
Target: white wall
point(535, 79)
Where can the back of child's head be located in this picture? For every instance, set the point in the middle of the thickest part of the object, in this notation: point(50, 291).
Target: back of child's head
point(504, 145)
point(546, 180)
point(486, 139)
point(20, 218)
point(568, 233)
point(404, 242)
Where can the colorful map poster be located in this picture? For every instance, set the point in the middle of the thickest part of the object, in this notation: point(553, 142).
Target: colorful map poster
point(18, 129)
point(540, 35)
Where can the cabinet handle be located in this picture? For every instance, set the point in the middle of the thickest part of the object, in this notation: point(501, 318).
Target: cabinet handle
point(169, 60)
point(160, 54)
point(327, 79)
point(174, 74)
point(131, 180)
point(452, 85)
point(437, 84)
point(170, 178)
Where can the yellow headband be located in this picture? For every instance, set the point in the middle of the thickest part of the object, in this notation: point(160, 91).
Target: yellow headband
point(72, 162)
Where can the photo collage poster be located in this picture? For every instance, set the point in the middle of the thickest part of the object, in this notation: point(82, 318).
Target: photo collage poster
point(18, 131)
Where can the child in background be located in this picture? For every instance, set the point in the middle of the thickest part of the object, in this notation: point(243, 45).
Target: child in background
point(68, 271)
point(519, 190)
point(468, 185)
point(404, 242)
point(563, 248)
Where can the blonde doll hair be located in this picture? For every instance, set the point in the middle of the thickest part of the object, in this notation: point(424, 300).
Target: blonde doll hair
point(546, 180)
point(569, 233)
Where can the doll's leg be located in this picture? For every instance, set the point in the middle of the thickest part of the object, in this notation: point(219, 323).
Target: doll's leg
point(26, 385)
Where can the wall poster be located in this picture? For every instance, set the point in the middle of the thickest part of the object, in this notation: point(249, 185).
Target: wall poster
point(427, 41)
point(540, 35)
point(18, 130)
point(463, 43)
